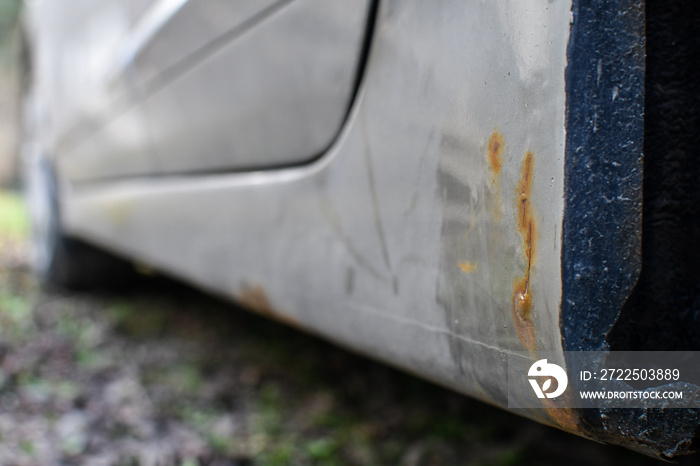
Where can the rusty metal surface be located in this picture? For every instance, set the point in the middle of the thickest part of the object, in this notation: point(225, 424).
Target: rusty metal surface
point(483, 198)
point(401, 242)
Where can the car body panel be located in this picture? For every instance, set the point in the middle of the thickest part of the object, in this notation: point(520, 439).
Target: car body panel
point(287, 68)
point(368, 246)
point(275, 94)
point(74, 68)
point(172, 30)
point(482, 199)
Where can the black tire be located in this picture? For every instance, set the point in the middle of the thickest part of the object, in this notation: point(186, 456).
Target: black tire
point(58, 259)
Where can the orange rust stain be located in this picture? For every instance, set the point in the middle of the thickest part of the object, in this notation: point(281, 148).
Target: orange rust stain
point(521, 311)
point(526, 221)
point(564, 418)
point(495, 150)
point(254, 298)
point(522, 294)
point(468, 267)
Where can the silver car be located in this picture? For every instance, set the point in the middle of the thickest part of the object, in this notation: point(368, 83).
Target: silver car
point(444, 186)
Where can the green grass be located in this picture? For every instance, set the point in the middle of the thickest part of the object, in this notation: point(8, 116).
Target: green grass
point(9, 9)
point(14, 223)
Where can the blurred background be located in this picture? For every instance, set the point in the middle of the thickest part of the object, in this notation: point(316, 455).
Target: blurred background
point(9, 9)
point(160, 374)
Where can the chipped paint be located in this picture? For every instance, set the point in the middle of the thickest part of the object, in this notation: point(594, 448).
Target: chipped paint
point(495, 151)
point(522, 293)
point(468, 267)
point(254, 298)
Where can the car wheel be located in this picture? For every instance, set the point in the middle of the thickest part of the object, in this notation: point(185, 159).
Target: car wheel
point(57, 258)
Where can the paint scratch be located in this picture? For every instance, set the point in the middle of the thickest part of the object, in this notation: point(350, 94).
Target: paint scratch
point(522, 293)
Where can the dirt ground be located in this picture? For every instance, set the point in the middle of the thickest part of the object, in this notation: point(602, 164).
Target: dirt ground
point(160, 374)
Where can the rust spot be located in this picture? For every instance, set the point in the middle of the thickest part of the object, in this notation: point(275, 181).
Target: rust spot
point(495, 150)
point(522, 314)
point(468, 267)
point(144, 269)
point(522, 294)
point(564, 418)
point(254, 298)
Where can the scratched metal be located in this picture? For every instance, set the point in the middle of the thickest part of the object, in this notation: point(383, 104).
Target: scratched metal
point(399, 242)
point(430, 234)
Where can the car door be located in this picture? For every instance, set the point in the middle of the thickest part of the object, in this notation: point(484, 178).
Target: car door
point(218, 85)
point(77, 85)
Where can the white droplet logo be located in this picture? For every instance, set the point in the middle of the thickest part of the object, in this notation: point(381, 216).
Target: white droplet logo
point(541, 369)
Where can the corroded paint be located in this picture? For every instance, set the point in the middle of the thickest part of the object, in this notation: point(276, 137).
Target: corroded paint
point(468, 267)
point(452, 188)
point(522, 293)
point(495, 151)
point(254, 298)
point(522, 305)
point(564, 418)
